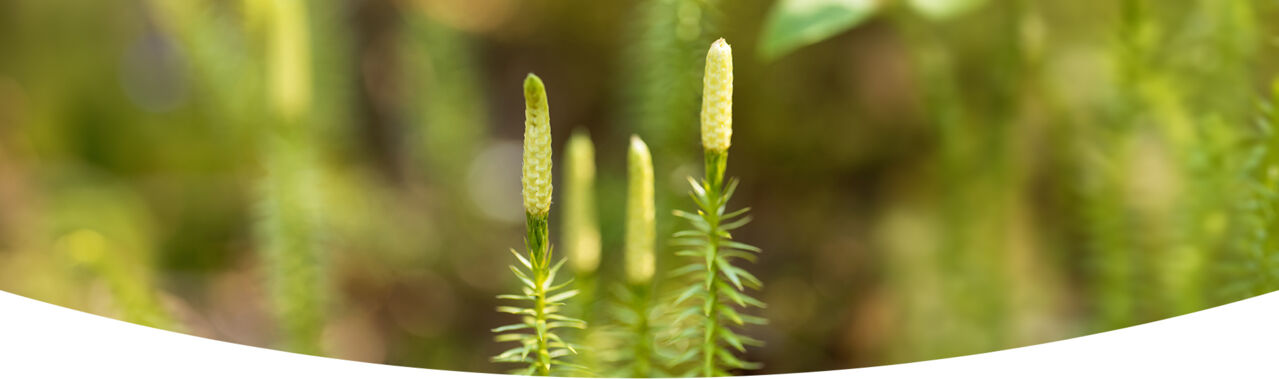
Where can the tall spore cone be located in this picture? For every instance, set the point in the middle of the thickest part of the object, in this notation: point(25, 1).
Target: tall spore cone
point(635, 312)
point(717, 98)
point(641, 226)
point(716, 287)
point(537, 148)
point(541, 348)
point(582, 232)
point(290, 227)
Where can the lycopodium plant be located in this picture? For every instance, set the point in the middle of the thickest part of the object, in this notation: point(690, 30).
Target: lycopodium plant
point(289, 210)
point(637, 354)
point(540, 346)
point(581, 225)
point(716, 289)
point(581, 239)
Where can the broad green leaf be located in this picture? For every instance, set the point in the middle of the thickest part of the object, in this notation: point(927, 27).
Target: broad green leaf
point(792, 24)
point(944, 9)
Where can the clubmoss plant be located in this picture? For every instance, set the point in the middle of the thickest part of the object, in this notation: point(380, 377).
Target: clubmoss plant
point(289, 231)
point(660, 91)
point(1253, 268)
point(540, 346)
point(634, 312)
point(581, 236)
point(641, 221)
point(131, 286)
point(717, 284)
point(581, 228)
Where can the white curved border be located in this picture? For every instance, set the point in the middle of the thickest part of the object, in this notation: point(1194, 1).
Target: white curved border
point(40, 340)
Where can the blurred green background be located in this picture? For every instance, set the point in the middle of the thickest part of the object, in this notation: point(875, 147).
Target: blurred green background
point(929, 178)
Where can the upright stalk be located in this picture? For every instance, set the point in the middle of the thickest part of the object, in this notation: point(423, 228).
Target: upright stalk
point(290, 211)
point(580, 235)
point(538, 249)
point(540, 349)
point(641, 236)
point(715, 165)
point(718, 284)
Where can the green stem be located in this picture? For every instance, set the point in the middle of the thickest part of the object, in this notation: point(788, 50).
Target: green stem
point(539, 254)
point(643, 362)
point(715, 165)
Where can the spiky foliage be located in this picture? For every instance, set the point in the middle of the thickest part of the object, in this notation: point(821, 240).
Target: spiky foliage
point(130, 286)
point(447, 88)
point(1256, 270)
point(634, 348)
point(581, 235)
point(540, 346)
point(635, 353)
point(109, 243)
point(660, 77)
point(289, 234)
point(716, 287)
point(289, 230)
point(660, 73)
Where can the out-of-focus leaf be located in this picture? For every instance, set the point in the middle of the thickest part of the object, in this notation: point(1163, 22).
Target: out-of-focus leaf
point(943, 9)
point(792, 24)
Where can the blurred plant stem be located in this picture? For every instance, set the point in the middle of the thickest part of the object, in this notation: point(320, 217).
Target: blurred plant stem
point(289, 230)
point(640, 254)
point(447, 99)
point(541, 348)
point(106, 237)
point(581, 238)
point(988, 227)
point(659, 87)
point(971, 166)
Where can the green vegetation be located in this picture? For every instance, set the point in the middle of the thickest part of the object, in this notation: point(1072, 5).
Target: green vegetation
point(541, 347)
point(929, 178)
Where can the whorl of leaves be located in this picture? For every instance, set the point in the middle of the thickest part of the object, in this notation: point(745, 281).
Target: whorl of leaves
point(539, 345)
point(1259, 243)
point(634, 336)
point(715, 292)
